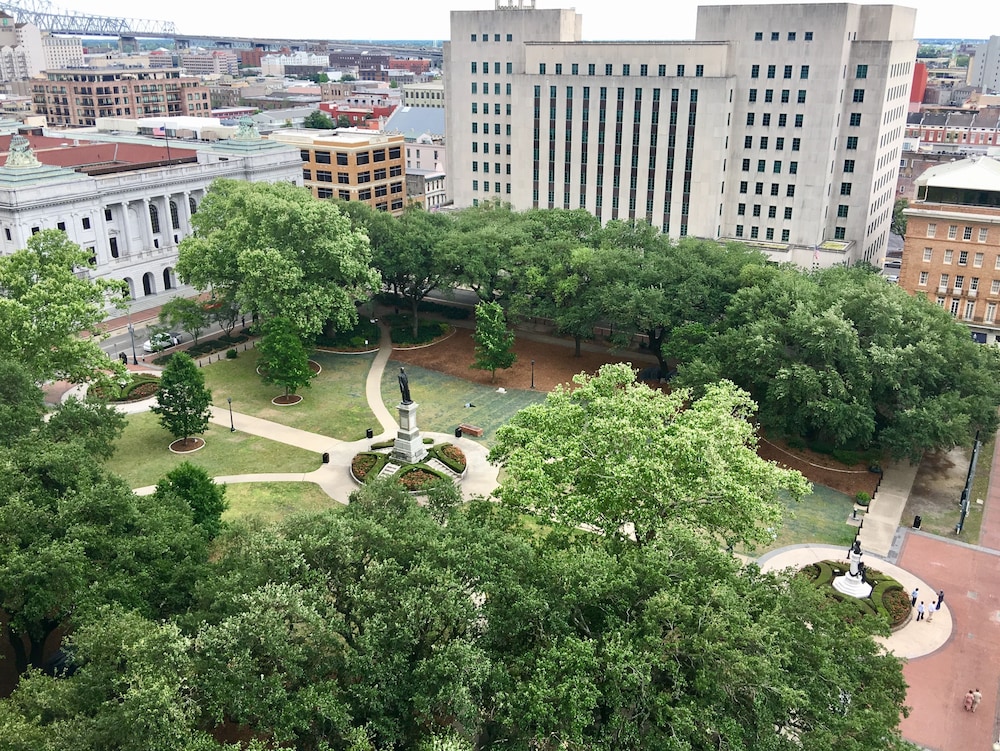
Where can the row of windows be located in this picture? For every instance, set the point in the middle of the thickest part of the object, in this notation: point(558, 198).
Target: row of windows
point(486, 108)
point(963, 255)
point(772, 71)
point(496, 37)
point(486, 148)
point(765, 119)
point(486, 186)
point(758, 36)
point(768, 233)
point(609, 69)
point(772, 211)
point(970, 309)
point(342, 157)
point(959, 283)
point(785, 96)
point(344, 178)
point(776, 166)
point(953, 232)
point(486, 88)
point(759, 189)
point(779, 143)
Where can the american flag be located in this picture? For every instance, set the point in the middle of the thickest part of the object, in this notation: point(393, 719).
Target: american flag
point(159, 131)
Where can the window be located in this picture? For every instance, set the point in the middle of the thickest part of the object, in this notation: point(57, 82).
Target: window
point(959, 282)
point(772, 212)
point(796, 142)
point(739, 230)
point(862, 72)
point(931, 229)
point(779, 144)
point(808, 36)
point(763, 142)
point(982, 234)
point(943, 282)
point(86, 222)
point(842, 211)
point(769, 95)
point(699, 71)
point(154, 218)
point(365, 194)
point(977, 260)
point(473, 37)
point(991, 312)
point(782, 120)
point(344, 195)
point(746, 165)
point(344, 178)
point(750, 118)
point(475, 90)
point(791, 36)
point(765, 119)
point(966, 232)
point(785, 235)
point(963, 258)
point(804, 72)
point(775, 36)
point(776, 167)
point(801, 96)
point(859, 96)
point(661, 70)
point(475, 108)
point(839, 233)
point(974, 284)
point(952, 231)
point(754, 71)
point(948, 255)
point(774, 189)
point(761, 165)
point(995, 287)
point(790, 191)
point(741, 209)
point(510, 37)
point(107, 217)
point(758, 36)
point(855, 119)
point(747, 142)
point(754, 232)
point(928, 254)
point(788, 212)
point(680, 71)
point(923, 279)
point(743, 186)
point(793, 168)
point(609, 70)
point(852, 143)
point(784, 96)
point(771, 71)
point(341, 158)
point(756, 209)
point(325, 176)
point(61, 226)
point(798, 121)
point(753, 95)
point(758, 189)
point(541, 69)
point(113, 243)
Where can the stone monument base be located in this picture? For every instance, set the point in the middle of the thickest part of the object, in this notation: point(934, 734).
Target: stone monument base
point(408, 447)
point(852, 586)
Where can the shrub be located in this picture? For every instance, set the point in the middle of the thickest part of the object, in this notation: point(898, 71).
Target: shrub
point(231, 354)
point(367, 465)
point(384, 444)
point(862, 499)
point(417, 476)
point(451, 456)
point(896, 602)
point(428, 332)
point(354, 338)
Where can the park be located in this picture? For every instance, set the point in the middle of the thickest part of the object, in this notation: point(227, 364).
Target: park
point(594, 568)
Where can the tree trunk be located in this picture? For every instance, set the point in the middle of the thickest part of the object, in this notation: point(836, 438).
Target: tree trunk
point(656, 345)
point(413, 312)
point(34, 655)
point(576, 350)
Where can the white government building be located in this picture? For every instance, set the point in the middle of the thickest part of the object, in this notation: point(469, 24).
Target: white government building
point(127, 200)
point(779, 125)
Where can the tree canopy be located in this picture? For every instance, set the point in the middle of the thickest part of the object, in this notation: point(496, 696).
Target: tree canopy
point(183, 401)
point(493, 339)
point(629, 461)
point(277, 250)
point(377, 627)
point(284, 361)
point(46, 300)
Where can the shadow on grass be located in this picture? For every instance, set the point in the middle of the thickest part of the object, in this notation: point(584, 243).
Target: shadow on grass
point(273, 501)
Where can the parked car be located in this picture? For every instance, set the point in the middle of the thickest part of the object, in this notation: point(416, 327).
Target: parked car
point(161, 341)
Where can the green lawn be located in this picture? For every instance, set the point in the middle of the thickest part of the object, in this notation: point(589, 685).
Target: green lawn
point(333, 405)
point(819, 517)
point(142, 456)
point(273, 501)
point(442, 400)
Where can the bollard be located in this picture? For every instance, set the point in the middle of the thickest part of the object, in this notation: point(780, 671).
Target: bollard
point(916, 521)
point(458, 432)
point(326, 457)
point(369, 434)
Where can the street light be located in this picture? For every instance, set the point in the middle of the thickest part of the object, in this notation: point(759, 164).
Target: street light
point(131, 333)
point(532, 374)
point(232, 426)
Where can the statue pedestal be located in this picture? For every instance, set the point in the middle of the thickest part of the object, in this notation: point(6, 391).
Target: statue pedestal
point(852, 586)
point(409, 445)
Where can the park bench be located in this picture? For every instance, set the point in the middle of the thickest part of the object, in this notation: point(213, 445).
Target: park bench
point(472, 430)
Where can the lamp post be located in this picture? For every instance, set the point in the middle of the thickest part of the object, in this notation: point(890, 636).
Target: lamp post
point(232, 425)
point(131, 333)
point(532, 374)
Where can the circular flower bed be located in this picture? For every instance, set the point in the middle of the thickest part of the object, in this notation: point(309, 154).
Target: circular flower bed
point(141, 386)
point(416, 478)
point(888, 598)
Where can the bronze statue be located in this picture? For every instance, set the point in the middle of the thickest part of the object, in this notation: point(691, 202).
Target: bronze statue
point(404, 387)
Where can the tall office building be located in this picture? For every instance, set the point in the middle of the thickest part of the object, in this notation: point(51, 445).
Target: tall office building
point(985, 73)
point(779, 125)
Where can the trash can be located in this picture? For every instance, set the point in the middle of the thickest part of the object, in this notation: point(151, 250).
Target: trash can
point(326, 457)
point(916, 521)
point(458, 432)
point(369, 434)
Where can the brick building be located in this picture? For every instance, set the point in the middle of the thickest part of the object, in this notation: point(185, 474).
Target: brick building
point(351, 165)
point(78, 96)
point(952, 248)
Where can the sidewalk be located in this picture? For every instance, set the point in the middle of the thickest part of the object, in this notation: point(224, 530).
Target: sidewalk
point(880, 529)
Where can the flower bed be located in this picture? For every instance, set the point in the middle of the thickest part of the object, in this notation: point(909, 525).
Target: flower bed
point(367, 464)
point(888, 599)
point(451, 456)
point(417, 477)
point(141, 386)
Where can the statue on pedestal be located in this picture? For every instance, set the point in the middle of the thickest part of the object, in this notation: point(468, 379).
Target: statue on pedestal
point(404, 387)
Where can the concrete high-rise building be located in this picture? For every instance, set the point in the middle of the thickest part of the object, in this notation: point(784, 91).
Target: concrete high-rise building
point(779, 125)
point(21, 53)
point(62, 52)
point(985, 72)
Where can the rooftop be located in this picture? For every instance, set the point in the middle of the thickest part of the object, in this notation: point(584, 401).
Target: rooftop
point(980, 173)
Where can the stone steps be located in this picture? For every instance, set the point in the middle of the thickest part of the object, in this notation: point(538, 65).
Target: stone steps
point(440, 466)
point(389, 470)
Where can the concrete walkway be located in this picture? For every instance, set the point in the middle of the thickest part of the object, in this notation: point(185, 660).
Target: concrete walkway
point(880, 529)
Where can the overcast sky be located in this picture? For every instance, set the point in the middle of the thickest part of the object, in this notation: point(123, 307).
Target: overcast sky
point(412, 19)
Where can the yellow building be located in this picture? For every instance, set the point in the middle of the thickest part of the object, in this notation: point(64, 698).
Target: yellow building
point(352, 165)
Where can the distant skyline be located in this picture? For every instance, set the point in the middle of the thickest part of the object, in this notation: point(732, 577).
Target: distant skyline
point(405, 19)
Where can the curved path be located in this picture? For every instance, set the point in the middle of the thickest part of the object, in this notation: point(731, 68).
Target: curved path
point(335, 478)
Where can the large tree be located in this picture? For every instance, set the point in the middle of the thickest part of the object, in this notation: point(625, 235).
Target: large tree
point(47, 300)
point(195, 487)
point(183, 401)
point(276, 250)
point(629, 460)
point(187, 314)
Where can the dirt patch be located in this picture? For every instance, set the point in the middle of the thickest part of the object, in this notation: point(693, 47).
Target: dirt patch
point(820, 469)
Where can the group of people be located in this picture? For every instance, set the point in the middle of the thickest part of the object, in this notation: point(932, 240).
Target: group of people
point(972, 700)
point(921, 609)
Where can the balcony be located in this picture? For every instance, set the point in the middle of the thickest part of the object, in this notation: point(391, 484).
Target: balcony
point(972, 293)
point(942, 290)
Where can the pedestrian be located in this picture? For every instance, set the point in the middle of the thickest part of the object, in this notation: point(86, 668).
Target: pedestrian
point(123, 357)
point(970, 698)
point(976, 698)
point(920, 611)
point(940, 598)
point(931, 611)
point(913, 596)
